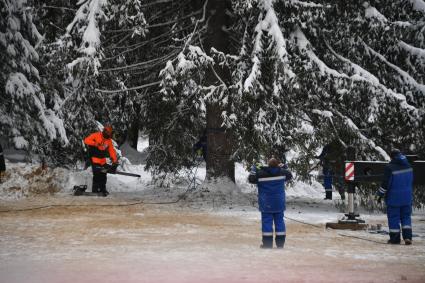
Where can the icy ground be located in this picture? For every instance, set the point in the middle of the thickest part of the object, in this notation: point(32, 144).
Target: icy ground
point(141, 233)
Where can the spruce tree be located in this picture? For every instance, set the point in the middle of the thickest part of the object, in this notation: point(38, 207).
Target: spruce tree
point(28, 119)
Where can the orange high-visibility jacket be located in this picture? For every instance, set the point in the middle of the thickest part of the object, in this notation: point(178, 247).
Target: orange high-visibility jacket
point(99, 147)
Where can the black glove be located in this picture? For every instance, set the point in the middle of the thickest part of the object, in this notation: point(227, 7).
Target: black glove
point(113, 168)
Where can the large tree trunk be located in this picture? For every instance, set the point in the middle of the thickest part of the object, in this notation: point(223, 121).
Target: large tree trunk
point(133, 131)
point(219, 163)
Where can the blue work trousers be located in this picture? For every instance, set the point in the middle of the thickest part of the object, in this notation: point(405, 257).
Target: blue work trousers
point(400, 215)
point(267, 220)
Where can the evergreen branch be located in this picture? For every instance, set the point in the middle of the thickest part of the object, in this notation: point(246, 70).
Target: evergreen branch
point(156, 3)
point(349, 123)
point(159, 24)
point(59, 8)
point(406, 77)
point(371, 79)
point(204, 8)
point(167, 13)
point(149, 62)
point(145, 42)
point(139, 45)
point(128, 89)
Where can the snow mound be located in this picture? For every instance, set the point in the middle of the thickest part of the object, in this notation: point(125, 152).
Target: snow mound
point(220, 193)
point(300, 189)
point(132, 154)
point(24, 180)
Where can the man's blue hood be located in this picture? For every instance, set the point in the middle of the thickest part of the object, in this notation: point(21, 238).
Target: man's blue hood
point(273, 170)
point(400, 159)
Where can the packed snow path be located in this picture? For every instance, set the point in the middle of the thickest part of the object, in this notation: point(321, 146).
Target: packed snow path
point(182, 243)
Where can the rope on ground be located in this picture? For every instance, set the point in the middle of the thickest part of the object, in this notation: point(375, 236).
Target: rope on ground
point(361, 238)
point(95, 205)
point(69, 205)
point(305, 223)
point(340, 234)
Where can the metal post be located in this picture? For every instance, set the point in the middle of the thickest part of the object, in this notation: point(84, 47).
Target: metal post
point(351, 187)
point(351, 192)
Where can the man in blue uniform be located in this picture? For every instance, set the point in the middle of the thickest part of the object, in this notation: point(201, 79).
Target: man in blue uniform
point(271, 200)
point(397, 189)
point(327, 182)
point(2, 163)
point(200, 147)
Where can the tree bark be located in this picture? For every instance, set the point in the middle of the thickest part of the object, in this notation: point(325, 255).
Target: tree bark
point(219, 142)
point(133, 131)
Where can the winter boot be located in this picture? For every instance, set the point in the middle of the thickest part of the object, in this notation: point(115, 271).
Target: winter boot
point(102, 190)
point(328, 195)
point(267, 242)
point(280, 241)
point(103, 193)
point(95, 188)
point(407, 236)
point(394, 238)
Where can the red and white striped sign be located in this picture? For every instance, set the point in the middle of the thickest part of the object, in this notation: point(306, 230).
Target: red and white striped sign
point(349, 171)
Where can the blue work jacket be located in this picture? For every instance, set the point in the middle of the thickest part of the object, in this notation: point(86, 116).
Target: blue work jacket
point(398, 182)
point(271, 187)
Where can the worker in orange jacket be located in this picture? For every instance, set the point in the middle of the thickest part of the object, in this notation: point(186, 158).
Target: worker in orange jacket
point(100, 145)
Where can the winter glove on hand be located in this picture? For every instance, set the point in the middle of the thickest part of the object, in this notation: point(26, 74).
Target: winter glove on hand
point(113, 168)
point(253, 168)
point(252, 177)
point(283, 165)
point(105, 169)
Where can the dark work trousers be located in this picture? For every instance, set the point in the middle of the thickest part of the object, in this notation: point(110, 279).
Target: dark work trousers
point(99, 179)
point(397, 215)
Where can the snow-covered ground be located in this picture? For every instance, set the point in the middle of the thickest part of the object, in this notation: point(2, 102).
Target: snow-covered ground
point(211, 233)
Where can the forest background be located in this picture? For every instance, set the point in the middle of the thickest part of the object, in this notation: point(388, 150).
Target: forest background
point(258, 77)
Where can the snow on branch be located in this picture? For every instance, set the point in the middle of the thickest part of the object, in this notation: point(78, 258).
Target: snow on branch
point(372, 12)
point(306, 4)
point(356, 69)
point(188, 64)
point(323, 113)
point(351, 125)
point(128, 89)
point(201, 20)
point(88, 14)
point(412, 50)
point(362, 74)
point(144, 64)
point(418, 5)
point(303, 44)
point(270, 24)
point(406, 77)
point(20, 89)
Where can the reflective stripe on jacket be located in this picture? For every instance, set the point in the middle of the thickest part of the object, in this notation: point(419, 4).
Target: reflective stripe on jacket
point(271, 188)
point(100, 148)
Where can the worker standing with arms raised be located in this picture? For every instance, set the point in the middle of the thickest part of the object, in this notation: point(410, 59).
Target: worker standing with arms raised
point(271, 200)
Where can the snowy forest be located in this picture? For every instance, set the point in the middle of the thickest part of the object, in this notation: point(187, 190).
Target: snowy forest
point(310, 115)
point(259, 77)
